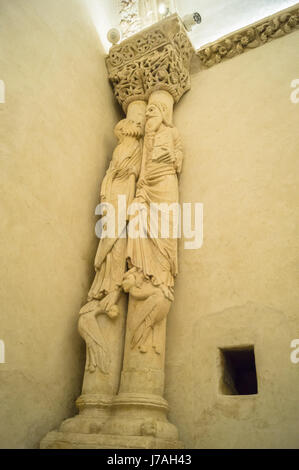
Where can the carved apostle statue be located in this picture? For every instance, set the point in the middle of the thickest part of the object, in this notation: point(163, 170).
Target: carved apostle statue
point(110, 261)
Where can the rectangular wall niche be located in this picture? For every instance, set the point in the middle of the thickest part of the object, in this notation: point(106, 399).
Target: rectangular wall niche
point(238, 371)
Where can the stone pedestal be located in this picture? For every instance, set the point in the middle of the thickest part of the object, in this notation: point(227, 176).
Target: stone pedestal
point(59, 440)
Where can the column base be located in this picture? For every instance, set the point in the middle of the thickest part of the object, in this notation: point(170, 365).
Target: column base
point(130, 421)
point(61, 440)
point(136, 414)
point(94, 411)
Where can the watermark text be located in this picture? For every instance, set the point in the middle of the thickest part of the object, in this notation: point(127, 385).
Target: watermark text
point(163, 221)
point(295, 94)
point(295, 354)
point(2, 352)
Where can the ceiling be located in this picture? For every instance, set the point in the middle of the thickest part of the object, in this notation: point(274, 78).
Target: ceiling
point(219, 17)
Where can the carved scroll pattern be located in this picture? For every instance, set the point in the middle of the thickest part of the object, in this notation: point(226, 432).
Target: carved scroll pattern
point(249, 38)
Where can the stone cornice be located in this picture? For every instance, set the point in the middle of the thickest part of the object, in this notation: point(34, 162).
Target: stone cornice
point(255, 35)
point(157, 58)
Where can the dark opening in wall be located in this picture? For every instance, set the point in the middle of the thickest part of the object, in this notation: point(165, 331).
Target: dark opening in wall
point(238, 371)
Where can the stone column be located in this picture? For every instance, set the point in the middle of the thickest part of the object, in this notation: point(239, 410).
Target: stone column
point(99, 387)
point(139, 410)
point(154, 65)
point(102, 319)
point(150, 68)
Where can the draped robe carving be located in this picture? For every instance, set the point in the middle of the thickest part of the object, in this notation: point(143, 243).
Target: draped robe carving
point(155, 258)
point(110, 261)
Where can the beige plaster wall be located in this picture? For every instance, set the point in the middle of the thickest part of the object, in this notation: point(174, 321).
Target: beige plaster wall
point(241, 139)
point(55, 142)
point(240, 133)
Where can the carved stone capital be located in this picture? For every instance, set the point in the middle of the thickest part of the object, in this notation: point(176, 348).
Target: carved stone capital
point(157, 58)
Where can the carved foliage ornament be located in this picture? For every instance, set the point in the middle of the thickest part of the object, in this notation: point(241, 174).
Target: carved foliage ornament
point(257, 35)
point(156, 59)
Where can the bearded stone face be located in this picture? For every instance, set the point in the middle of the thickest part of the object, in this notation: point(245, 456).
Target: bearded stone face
point(152, 111)
point(153, 117)
point(119, 133)
point(128, 128)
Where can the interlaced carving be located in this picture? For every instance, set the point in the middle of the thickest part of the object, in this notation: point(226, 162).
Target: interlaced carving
point(155, 59)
